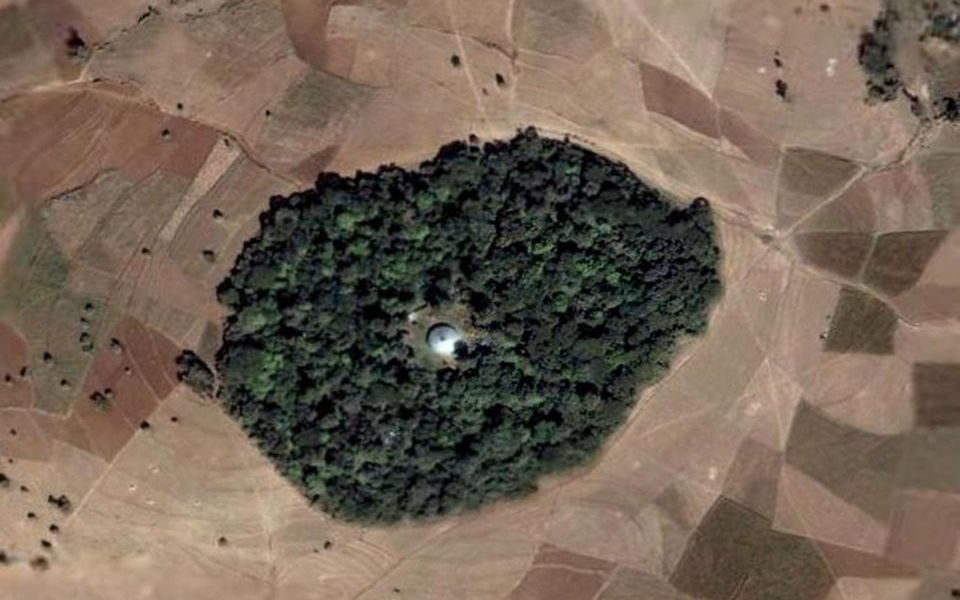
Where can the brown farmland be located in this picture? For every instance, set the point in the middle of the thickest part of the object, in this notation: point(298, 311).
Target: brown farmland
point(806, 447)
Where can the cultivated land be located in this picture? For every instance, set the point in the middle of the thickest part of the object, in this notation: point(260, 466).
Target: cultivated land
point(814, 424)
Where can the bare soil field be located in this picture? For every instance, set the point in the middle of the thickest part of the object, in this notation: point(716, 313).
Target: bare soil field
point(806, 447)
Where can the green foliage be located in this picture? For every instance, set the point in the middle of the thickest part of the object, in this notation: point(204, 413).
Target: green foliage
point(878, 49)
point(35, 271)
point(62, 502)
point(101, 401)
point(577, 278)
point(942, 20)
point(192, 370)
point(876, 57)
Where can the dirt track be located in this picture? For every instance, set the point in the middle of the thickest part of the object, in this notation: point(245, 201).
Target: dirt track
point(796, 424)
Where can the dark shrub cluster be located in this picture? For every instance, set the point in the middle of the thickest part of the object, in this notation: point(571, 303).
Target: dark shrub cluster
point(942, 20)
point(876, 57)
point(193, 371)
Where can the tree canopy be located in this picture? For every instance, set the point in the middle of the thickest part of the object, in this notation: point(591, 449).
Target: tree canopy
point(195, 373)
point(876, 57)
point(575, 280)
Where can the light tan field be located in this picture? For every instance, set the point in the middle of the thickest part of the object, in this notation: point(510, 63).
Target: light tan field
point(807, 447)
point(8, 233)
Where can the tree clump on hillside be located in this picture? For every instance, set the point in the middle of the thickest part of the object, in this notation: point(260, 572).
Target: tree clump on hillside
point(943, 23)
point(932, 24)
point(876, 57)
point(577, 281)
point(942, 20)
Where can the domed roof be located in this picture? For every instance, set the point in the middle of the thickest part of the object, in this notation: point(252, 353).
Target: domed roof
point(443, 338)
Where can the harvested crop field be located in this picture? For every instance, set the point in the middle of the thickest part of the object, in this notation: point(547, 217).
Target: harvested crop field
point(803, 447)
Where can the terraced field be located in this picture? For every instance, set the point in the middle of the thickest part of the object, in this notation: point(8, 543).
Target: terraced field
point(815, 424)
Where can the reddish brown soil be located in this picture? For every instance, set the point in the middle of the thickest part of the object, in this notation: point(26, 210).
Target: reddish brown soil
point(17, 392)
point(786, 454)
point(109, 129)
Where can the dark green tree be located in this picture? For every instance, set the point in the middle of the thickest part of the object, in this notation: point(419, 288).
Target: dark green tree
point(192, 370)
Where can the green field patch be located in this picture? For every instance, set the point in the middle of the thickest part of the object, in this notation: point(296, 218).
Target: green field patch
point(317, 99)
point(735, 553)
point(936, 394)
point(37, 297)
point(841, 253)
point(15, 36)
point(943, 180)
point(857, 466)
point(860, 323)
point(899, 259)
point(807, 177)
point(930, 460)
point(35, 269)
point(7, 200)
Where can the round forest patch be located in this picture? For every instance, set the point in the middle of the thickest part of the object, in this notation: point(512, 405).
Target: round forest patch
point(566, 280)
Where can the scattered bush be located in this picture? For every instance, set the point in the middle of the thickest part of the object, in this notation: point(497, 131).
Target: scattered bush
point(101, 401)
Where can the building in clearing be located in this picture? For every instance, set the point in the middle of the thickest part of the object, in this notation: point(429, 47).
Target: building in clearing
point(443, 339)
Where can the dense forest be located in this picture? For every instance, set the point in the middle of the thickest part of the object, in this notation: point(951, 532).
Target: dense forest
point(577, 280)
